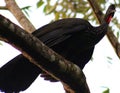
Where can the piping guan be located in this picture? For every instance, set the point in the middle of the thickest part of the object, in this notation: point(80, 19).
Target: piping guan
point(72, 38)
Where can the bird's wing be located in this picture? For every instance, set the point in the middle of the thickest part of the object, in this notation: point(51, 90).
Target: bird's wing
point(64, 23)
point(59, 31)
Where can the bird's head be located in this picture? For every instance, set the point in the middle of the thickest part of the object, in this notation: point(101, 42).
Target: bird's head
point(109, 13)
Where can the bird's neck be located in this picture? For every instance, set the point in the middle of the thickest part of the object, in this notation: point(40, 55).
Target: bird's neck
point(102, 28)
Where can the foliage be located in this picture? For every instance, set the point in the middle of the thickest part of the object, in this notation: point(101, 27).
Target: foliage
point(0, 43)
point(107, 90)
point(75, 8)
point(40, 3)
point(69, 8)
point(26, 9)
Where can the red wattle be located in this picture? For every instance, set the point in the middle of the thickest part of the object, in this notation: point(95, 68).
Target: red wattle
point(109, 19)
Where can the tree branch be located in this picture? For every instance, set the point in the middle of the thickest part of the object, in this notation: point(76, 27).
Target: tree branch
point(43, 57)
point(16, 11)
point(3, 8)
point(112, 38)
point(13, 7)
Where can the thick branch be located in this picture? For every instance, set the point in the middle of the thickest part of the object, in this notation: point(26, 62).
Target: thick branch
point(112, 38)
point(43, 57)
point(16, 11)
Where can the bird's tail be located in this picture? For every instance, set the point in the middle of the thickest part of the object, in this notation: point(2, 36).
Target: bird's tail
point(17, 74)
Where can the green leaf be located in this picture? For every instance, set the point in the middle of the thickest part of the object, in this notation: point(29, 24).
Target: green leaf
point(109, 58)
point(40, 3)
point(119, 1)
point(107, 91)
point(26, 12)
point(48, 9)
point(118, 34)
point(44, 10)
point(57, 15)
point(26, 9)
point(102, 1)
point(1, 44)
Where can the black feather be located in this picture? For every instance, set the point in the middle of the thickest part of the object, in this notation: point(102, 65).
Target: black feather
point(73, 38)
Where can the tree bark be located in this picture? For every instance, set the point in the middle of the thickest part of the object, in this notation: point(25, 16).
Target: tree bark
point(16, 11)
point(43, 57)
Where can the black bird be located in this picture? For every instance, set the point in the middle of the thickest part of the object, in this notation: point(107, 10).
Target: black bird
point(73, 38)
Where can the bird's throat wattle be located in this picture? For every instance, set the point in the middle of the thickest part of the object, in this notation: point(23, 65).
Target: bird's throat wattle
point(109, 19)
